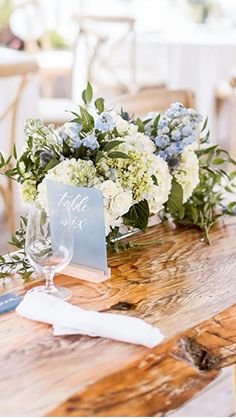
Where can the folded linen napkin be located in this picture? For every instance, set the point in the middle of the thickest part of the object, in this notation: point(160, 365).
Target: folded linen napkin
point(67, 319)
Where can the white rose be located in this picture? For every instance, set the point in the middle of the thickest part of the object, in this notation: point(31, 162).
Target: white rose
point(108, 221)
point(122, 125)
point(192, 147)
point(133, 129)
point(108, 188)
point(121, 203)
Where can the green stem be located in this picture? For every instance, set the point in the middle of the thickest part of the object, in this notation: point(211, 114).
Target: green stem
point(206, 235)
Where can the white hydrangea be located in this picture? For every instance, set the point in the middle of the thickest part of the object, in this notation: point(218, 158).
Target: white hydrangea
point(143, 175)
point(137, 141)
point(187, 172)
point(69, 172)
point(28, 191)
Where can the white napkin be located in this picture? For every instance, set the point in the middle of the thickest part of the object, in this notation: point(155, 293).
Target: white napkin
point(69, 319)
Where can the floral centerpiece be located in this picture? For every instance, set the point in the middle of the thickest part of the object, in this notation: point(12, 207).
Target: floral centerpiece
point(159, 165)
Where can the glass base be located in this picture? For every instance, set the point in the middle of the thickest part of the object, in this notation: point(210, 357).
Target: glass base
point(59, 292)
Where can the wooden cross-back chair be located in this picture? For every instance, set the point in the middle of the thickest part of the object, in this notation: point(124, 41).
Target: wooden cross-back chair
point(22, 70)
point(155, 100)
point(101, 39)
point(52, 62)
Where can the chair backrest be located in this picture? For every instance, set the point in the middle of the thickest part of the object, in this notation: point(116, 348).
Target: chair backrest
point(156, 100)
point(27, 22)
point(20, 69)
point(99, 43)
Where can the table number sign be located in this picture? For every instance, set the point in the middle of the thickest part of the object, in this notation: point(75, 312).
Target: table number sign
point(86, 205)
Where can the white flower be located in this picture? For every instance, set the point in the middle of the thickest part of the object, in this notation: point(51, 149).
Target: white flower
point(159, 193)
point(122, 125)
point(187, 173)
point(110, 221)
point(121, 203)
point(138, 142)
point(194, 146)
point(133, 129)
point(69, 172)
point(28, 191)
point(108, 188)
point(42, 198)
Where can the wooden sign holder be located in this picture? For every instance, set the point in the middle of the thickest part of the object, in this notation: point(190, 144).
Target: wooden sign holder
point(86, 273)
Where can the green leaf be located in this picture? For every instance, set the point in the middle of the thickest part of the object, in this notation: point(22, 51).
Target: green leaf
point(87, 120)
point(99, 103)
point(232, 204)
point(232, 175)
point(155, 124)
point(14, 152)
point(111, 144)
point(154, 180)
point(138, 215)
point(228, 189)
point(87, 94)
point(205, 124)
point(117, 155)
point(66, 150)
point(140, 125)
point(53, 162)
point(99, 156)
point(175, 201)
point(218, 160)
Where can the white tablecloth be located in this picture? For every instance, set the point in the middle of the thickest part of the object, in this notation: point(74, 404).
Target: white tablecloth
point(196, 59)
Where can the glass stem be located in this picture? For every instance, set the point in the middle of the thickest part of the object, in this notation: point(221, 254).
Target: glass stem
point(49, 280)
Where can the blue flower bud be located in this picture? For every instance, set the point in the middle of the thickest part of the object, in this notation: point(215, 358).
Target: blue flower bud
point(162, 140)
point(104, 122)
point(90, 141)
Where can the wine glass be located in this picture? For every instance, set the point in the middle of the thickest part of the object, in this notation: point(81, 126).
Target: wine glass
point(49, 246)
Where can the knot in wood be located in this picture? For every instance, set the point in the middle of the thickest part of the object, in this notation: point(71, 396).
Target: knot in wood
point(196, 355)
point(123, 305)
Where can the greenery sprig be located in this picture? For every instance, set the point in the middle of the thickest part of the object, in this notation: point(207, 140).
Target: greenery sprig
point(207, 203)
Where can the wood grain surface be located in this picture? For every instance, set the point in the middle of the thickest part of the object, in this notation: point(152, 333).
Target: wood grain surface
point(182, 286)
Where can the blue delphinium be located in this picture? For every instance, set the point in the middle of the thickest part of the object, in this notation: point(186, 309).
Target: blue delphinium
point(162, 140)
point(176, 129)
point(69, 131)
point(90, 141)
point(104, 122)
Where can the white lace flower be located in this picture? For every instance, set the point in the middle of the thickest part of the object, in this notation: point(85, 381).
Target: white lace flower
point(28, 191)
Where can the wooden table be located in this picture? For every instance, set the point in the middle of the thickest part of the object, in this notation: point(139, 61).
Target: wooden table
point(184, 286)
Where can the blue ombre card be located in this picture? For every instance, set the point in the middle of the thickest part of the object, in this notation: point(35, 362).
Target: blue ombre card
point(9, 302)
point(86, 205)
